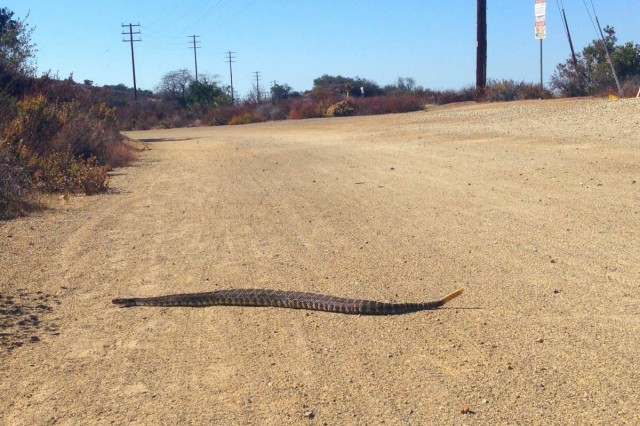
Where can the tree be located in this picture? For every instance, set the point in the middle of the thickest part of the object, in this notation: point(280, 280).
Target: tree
point(16, 49)
point(407, 84)
point(331, 83)
point(180, 86)
point(16, 61)
point(346, 85)
point(591, 73)
point(280, 92)
point(174, 84)
point(403, 85)
point(207, 91)
point(370, 88)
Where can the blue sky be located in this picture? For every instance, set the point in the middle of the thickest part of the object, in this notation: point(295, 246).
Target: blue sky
point(294, 42)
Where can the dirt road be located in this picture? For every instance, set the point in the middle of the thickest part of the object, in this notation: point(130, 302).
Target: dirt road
point(533, 207)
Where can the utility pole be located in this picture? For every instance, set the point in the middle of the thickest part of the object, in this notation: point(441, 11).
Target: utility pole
point(257, 74)
point(230, 60)
point(606, 51)
point(566, 27)
point(195, 47)
point(131, 33)
point(481, 50)
point(541, 69)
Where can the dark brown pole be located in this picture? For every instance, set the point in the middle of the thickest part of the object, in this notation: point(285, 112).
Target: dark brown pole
point(481, 52)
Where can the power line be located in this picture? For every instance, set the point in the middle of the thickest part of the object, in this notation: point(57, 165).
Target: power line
point(230, 17)
point(206, 13)
point(179, 22)
point(230, 60)
point(131, 33)
point(589, 13)
point(195, 47)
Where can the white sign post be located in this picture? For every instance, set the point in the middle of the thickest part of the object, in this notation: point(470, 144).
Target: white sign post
point(540, 12)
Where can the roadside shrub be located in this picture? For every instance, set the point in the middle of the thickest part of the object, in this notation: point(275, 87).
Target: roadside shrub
point(505, 90)
point(510, 90)
point(218, 117)
point(394, 103)
point(630, 86)
point(15, 185)
point(62, 172)
point(36, 123)
point(449, 96)
point(88, 132)
point(309, 107)
point(48, 172)
point(119, 154)
point(223, 115)
point(153, 114)
point(271, 111)
point(304, 108)
point(246, 118)
point(60, 147)
point(341, 109)
point(87, 176)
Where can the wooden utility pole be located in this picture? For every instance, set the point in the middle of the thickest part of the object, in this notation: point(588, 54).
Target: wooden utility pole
point(195, 47)
point(481, 50)
point(230, 60)
point(566, 28)
point(131, 33)
point(606, 51)
point(541, 68)
point(257, 74)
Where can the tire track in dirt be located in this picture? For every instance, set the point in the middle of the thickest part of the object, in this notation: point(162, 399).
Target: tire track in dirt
point(393, 208)
point(315, 331)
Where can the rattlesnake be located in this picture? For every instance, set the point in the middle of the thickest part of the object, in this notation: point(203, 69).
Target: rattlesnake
point(286, 299)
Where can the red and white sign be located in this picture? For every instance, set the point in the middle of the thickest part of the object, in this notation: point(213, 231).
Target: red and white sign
point(540, 12)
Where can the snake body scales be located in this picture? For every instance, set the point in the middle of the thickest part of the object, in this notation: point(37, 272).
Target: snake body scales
point(286, 299)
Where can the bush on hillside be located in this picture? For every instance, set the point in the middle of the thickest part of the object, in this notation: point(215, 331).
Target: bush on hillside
point(53, 146)
point(15, 185)
point(246, 118)
point(394, 103)
point(510, 90)
point(341, 109)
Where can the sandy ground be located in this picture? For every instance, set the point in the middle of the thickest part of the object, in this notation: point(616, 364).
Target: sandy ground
point(533, 207)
